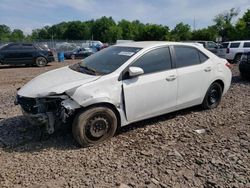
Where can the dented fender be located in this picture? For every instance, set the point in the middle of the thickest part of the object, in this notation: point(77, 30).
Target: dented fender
point(98, 92)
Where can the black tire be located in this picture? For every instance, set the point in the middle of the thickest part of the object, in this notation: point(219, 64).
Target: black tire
point(237, 59)
point(244, 76)
point(72, 57)
point(213, 96)
point(41, 61)
point(94, 125)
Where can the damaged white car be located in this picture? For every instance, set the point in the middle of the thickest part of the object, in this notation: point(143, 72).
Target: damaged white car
point(122, 84)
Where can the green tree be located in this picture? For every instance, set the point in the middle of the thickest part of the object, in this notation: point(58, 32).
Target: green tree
point(128, 29)
point(100, 28)
point(17, 35)
point(181, 32)
point(114, 33)
point(137, 29)
point(223, 23)
point(5, 33)
point(77, 31)
point(154, 32)
point(208, 33)
point(242, 28)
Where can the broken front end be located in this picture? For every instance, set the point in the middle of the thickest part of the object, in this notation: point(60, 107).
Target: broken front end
point(47, 112)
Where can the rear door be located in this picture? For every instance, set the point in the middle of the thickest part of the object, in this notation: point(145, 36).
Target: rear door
point(81, 53)
point(154, 92)
point(246, 47)
point(234, 48)
point(194, 72)
point(27, 53)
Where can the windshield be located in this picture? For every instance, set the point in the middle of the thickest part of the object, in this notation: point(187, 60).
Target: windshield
point(106, 61)
point(3, 45)
point(76, 50)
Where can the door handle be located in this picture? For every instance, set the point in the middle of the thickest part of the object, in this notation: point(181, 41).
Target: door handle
point(208, 69)
point(171, 78)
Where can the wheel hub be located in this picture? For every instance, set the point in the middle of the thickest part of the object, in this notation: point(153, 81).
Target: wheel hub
point(98, 127)
point(213, 96)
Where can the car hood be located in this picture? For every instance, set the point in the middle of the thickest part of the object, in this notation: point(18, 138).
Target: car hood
point(55, 82)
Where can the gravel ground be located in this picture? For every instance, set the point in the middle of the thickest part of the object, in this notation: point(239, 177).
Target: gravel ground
point(165, 151)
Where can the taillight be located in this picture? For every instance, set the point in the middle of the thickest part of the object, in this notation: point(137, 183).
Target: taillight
point(229, 65)
point(50, 52)
point(228, 50)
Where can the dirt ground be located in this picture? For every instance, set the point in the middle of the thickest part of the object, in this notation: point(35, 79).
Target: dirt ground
point(165, 151)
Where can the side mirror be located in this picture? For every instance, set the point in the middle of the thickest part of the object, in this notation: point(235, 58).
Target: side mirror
point(135, 71)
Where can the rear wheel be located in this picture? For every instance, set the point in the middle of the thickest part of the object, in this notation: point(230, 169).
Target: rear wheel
point(237, 59)
point(94, 125)
point(213, 96)
point(41, 61)
point(73, 57)
point(244, 76)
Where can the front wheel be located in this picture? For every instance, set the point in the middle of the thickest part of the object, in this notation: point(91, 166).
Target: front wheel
point(41, 61)
point(213, 96)
point(94, 125)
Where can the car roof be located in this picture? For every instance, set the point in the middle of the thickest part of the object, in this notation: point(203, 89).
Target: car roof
point(237, 41)
point(149, 44)
point(19, 43)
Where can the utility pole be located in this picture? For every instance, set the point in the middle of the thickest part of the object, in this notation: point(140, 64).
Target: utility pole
point(194, 24)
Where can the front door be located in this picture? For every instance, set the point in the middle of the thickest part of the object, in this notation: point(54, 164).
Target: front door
point(155, 92)
point(11, 54)
point(27, 53)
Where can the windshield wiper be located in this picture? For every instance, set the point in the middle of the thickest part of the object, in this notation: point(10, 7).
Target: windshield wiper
point(91, 70)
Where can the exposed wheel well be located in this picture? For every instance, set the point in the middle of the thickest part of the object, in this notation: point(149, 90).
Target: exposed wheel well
point(237, 54)
point(40, 56)
point(221, 84)
point(108, 105)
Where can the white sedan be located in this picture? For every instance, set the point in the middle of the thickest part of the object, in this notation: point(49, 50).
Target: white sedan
point(122, 84)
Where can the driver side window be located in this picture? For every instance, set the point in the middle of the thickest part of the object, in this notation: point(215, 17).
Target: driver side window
point(154, 61)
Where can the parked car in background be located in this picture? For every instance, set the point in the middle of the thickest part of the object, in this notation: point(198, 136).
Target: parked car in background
point(123, 84)
point(232, 50)
point(78, 53)
point(25, 53)
point(244, 65)
point(209, 45)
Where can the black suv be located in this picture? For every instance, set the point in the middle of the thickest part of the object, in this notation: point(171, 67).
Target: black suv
point(244, 65)
point(25, 53)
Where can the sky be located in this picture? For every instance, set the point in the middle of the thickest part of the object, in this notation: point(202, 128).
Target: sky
point(30, 14)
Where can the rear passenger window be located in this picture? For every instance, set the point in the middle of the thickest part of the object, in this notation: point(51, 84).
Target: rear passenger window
point(234, 45)
point(154, 61)
point(203, 57)
point(28, 47)
point(186, 56)
point(224, 45)
point(246, 45)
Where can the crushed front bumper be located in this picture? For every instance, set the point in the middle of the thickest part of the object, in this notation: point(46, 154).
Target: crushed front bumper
point(46, 120)
point(47, 112)
point(39, 112)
